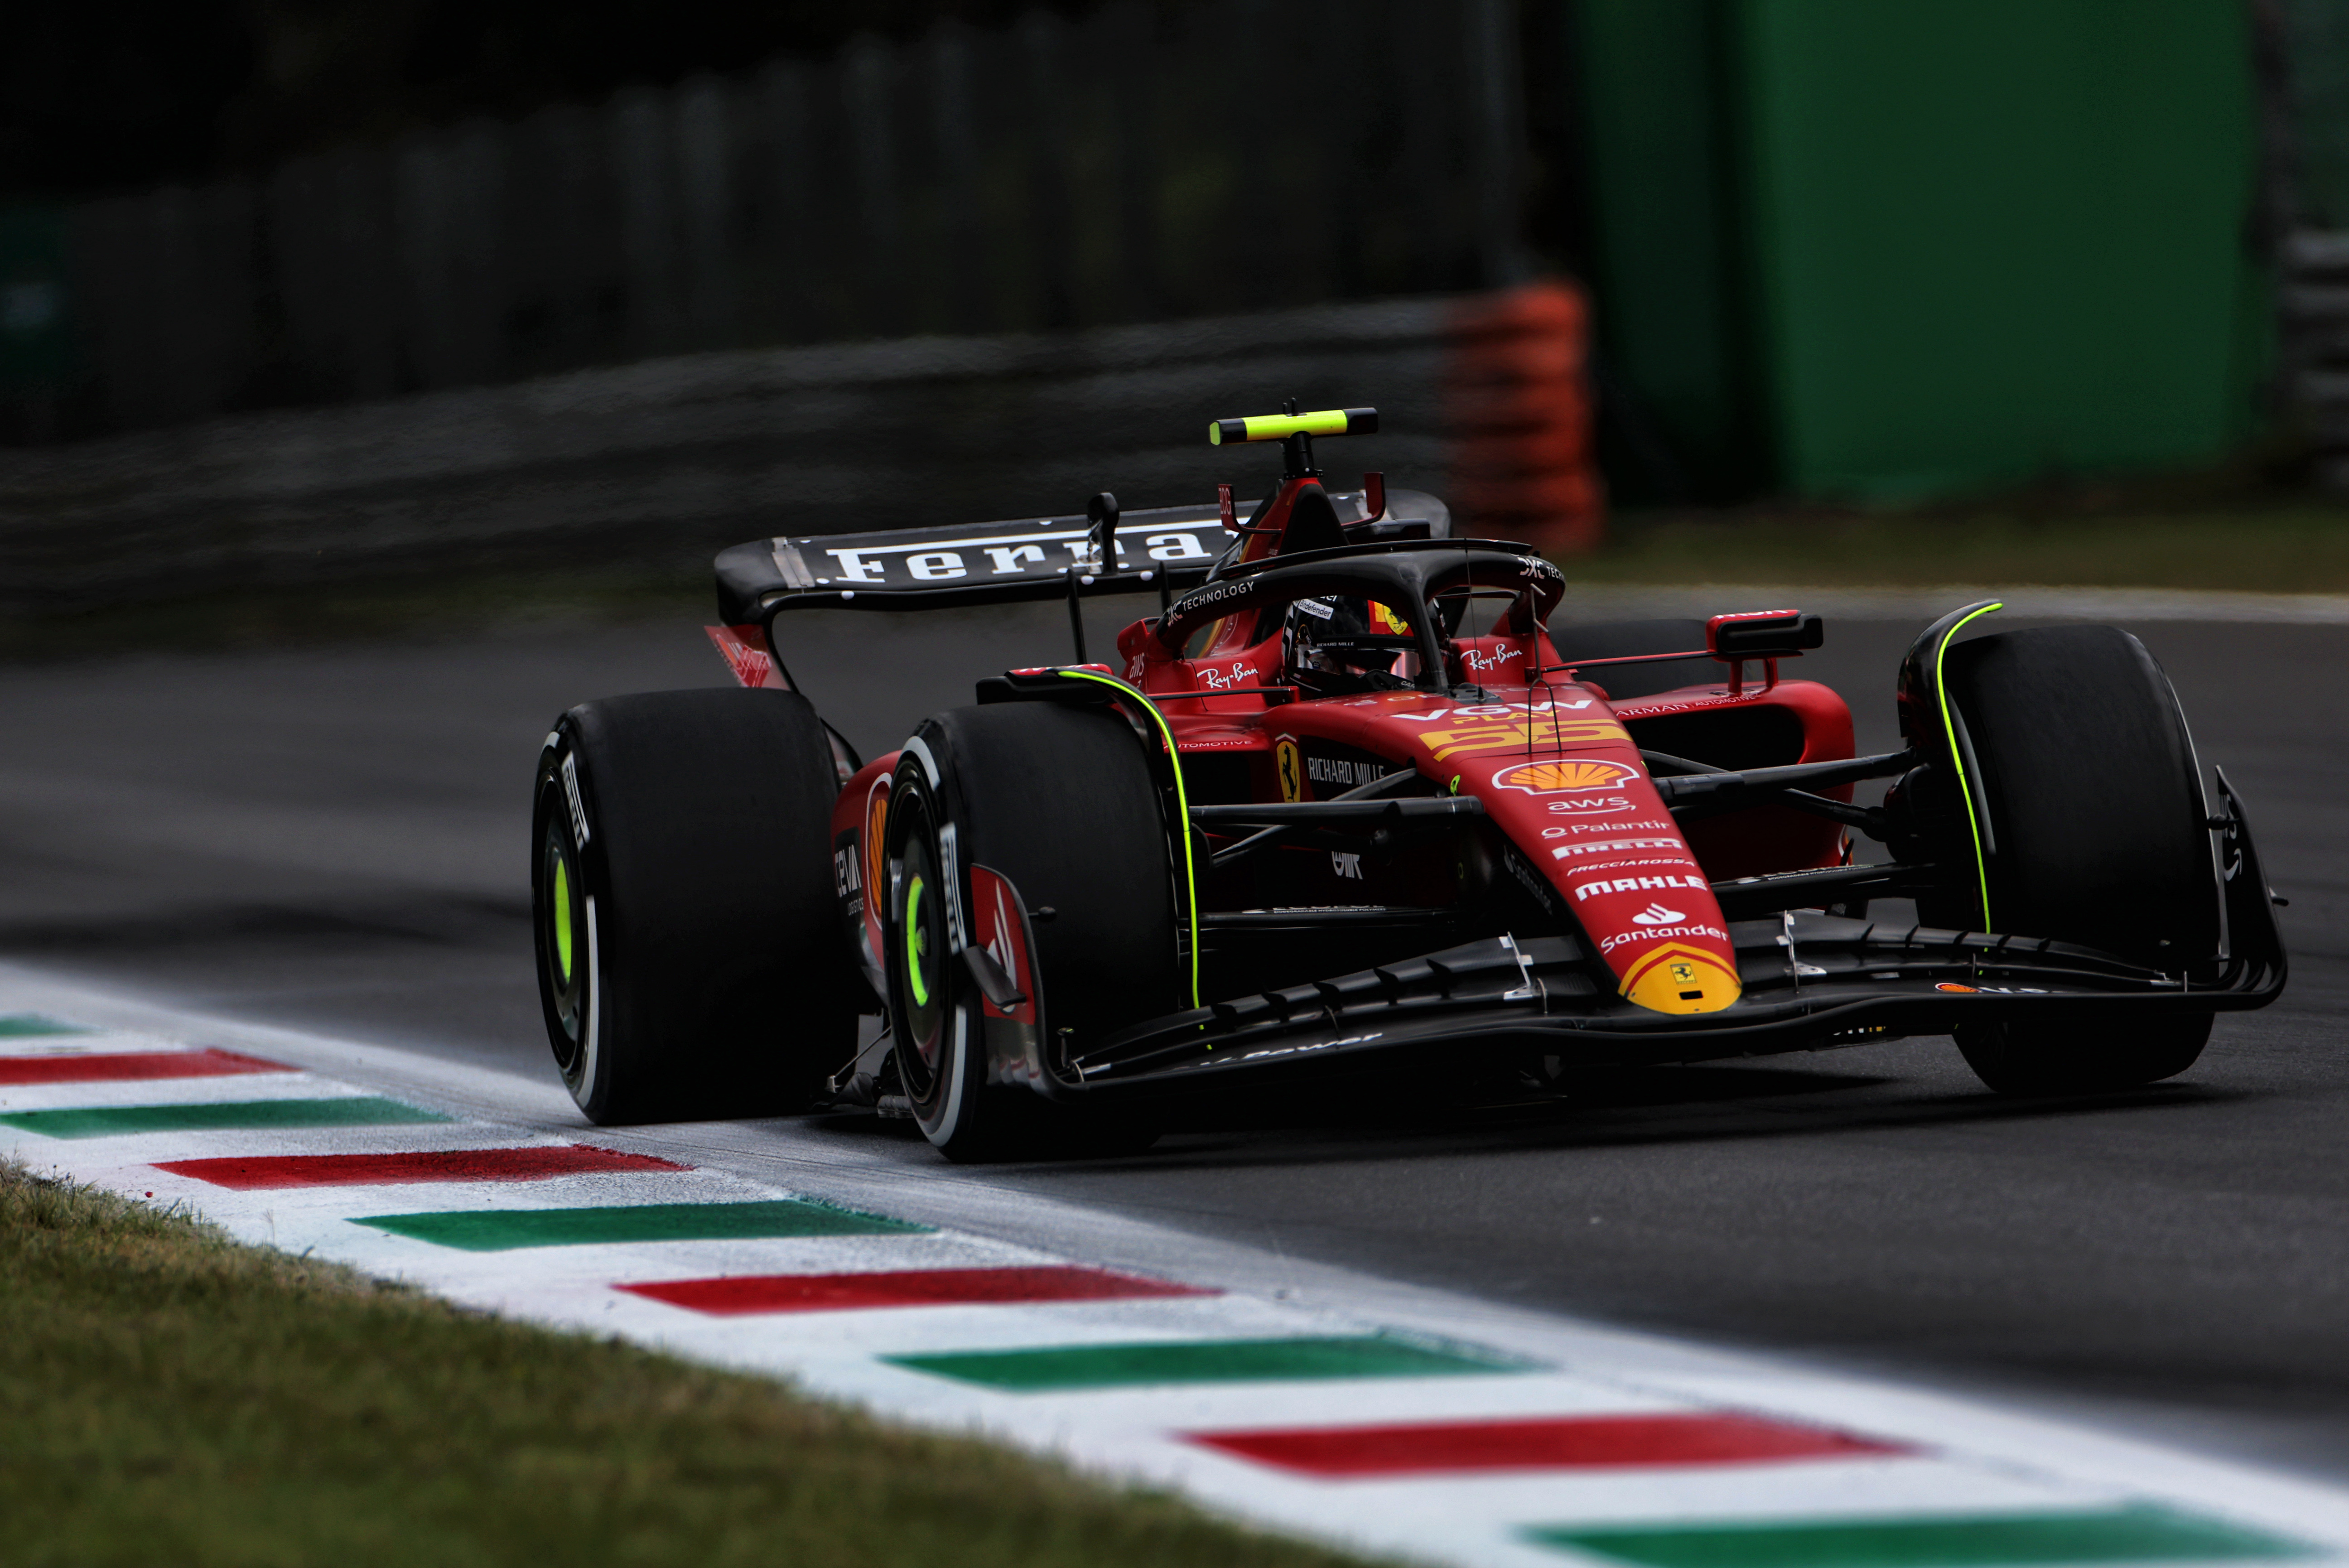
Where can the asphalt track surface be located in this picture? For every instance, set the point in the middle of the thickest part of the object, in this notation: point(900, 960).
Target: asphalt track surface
point(335, 838)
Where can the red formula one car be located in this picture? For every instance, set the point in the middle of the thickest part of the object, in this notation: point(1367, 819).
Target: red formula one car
point(1349, 806)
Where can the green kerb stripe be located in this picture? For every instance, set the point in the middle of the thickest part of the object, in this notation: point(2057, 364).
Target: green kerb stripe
point(500, 1231)
point(2143, 1534)
point(114, 1121)
point(1204, 1361)
point(27, 1025)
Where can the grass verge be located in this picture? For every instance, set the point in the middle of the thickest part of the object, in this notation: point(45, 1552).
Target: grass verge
point(173, 1396)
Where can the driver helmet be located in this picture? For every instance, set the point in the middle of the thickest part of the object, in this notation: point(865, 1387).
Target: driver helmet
point(1339, 645)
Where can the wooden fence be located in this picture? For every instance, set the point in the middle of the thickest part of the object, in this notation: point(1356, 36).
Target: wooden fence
point(1143, 163)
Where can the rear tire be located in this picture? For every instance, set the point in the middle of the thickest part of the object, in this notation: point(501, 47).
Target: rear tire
point(689, 957)
point(2095, 835)
point(1060, 800)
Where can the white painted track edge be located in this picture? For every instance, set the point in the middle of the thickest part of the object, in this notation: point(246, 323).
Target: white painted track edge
point(1642, 1364)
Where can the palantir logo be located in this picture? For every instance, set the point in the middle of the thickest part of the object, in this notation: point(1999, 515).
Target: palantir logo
point(1657, 915)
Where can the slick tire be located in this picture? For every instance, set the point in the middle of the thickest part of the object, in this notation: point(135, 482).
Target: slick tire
point(2097, 1054)
point(689, 957)
point(1059, 799)
point(2091, 798)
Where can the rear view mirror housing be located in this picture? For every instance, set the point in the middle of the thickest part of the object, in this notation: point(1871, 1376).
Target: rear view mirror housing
point(1763, 634)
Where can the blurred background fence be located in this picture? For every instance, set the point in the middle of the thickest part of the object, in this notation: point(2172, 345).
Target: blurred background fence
point(2305, 60)
point(1132, 164)
point(659, 464)
point(1725, 250)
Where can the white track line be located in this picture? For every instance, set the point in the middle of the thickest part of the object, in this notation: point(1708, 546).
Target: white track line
point(1970, 1457)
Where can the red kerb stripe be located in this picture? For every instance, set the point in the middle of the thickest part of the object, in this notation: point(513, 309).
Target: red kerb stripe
point(913, 1287)
point(440, 1165)
point(1573, 1443)
point(109, 1066)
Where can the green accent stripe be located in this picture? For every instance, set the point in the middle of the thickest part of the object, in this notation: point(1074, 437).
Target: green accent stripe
point(115, 1121)
point(500, 1230)
point(1182, 804)
point(1061, 1366)
point(1957, 762)
point(28, 1026)
point(2140, 1534)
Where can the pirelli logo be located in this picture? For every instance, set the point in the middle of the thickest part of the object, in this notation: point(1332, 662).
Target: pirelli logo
point(1524, 733)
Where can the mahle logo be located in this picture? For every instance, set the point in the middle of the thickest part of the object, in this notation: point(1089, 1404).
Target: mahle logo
point(1560, 777)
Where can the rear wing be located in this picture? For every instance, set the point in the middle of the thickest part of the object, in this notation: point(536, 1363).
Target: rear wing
point(999, 563)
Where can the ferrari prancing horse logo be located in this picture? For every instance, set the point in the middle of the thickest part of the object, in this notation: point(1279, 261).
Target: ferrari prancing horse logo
point(1285, 762)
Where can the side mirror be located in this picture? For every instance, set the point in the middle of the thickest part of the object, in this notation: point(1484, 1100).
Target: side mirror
point(1763, 634)
point(1103, 511)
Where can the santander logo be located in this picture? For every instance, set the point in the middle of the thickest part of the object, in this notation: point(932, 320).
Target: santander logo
point(1657, 915)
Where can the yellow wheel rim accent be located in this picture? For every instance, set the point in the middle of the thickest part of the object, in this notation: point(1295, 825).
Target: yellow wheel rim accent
point(1958, 762)
point(1182, 808)
point(563, 916)
point(916, 942)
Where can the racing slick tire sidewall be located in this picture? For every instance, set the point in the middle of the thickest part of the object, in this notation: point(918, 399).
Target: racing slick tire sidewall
point(684, 913)
point(1060, 800)
point(2115, 1050)
point(2097, 835)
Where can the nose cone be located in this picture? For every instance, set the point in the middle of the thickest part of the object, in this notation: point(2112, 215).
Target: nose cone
point(1677, 979)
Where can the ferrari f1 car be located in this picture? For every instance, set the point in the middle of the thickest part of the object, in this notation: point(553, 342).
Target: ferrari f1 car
point(1349, 806)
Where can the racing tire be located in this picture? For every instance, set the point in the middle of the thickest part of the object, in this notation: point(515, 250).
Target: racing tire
point(683, 906)
point(2098, 1054)
point(1060, 800)
point(2095, 833)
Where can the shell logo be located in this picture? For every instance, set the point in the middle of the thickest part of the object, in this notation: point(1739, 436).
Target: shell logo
point(1559, 776)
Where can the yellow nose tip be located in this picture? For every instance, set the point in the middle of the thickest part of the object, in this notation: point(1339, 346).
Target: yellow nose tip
point(1682, 979)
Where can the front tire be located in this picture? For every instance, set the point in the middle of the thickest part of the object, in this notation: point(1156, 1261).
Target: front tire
point(2098, 1054)
point(2090, 798)
point(683, 912)
point(1059, 800)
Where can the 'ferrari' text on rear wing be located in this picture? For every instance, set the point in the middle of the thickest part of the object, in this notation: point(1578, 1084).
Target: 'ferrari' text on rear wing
point(991, 563)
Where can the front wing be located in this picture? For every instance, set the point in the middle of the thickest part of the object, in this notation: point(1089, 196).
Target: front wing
point(1811, 980)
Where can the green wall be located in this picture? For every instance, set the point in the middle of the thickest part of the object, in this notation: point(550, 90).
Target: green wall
point(1656, 89)
point(1965, 242)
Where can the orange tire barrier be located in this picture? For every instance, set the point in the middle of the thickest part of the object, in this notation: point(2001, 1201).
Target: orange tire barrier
point(1518, 415)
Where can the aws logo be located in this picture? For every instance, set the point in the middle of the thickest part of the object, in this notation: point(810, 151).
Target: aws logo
point(1559, 776)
